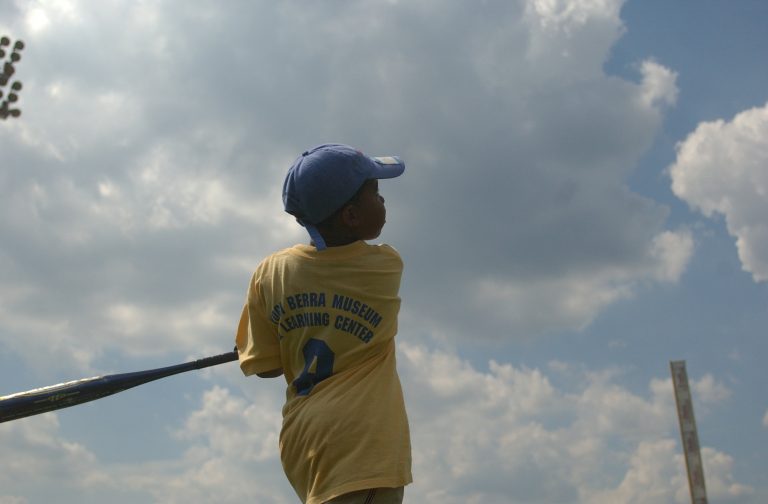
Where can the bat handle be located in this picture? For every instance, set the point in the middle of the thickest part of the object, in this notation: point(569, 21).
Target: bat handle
point(216, 359)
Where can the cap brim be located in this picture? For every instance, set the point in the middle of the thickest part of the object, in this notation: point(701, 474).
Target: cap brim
point(388, 166)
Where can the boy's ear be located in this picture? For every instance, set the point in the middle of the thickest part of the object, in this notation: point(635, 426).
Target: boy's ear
point(350, 215)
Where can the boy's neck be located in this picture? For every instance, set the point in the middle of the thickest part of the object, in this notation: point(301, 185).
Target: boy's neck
point(336, 234)
point(336, 242)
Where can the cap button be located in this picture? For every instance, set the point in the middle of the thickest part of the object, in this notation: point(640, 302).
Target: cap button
point(305, 153)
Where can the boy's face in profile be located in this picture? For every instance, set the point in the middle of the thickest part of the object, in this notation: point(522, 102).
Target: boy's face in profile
point(370, 213)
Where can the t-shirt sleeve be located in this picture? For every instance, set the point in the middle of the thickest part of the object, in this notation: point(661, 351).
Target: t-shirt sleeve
point(257, 342)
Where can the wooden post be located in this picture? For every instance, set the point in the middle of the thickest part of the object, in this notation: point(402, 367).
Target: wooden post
point(688, 433)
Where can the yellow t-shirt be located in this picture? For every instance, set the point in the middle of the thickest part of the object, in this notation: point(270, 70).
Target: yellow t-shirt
point(329, 319)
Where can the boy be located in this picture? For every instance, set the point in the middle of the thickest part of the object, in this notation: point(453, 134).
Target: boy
point(325, 316)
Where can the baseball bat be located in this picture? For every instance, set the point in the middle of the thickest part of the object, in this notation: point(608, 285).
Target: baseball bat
point(64, 395)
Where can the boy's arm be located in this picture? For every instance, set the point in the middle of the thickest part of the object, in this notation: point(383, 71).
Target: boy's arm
point(257, 343)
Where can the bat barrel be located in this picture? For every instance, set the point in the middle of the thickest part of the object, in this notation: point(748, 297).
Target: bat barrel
point(64, 395)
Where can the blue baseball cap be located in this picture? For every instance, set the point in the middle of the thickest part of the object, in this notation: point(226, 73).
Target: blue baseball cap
point(325, 177)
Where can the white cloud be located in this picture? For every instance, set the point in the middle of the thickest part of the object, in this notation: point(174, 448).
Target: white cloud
point(654, 477)
point(37, 20)
point(33, 446)
point(659, 84)
point(575, 35)
point(548, 303)
point(574, 300)
point(9, 499)
point(721, 169)
point(671, 252)
point(188, 326)
point(709, 391)
point(232, 455)
point(719, 477)
point(509, 434)
point(563, 12)
point(235, 427)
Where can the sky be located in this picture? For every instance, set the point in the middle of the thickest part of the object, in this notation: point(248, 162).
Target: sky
point(585, 200)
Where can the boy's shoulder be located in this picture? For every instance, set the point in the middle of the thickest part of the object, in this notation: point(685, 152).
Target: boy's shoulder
point(388, 250)
point(280, 256)
point(357, 251)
